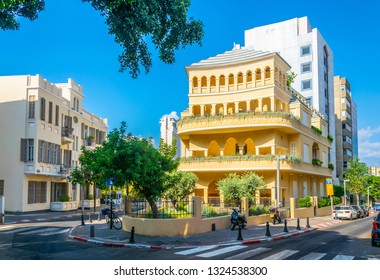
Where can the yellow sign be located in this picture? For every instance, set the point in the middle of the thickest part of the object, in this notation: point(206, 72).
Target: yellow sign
point(329, 186)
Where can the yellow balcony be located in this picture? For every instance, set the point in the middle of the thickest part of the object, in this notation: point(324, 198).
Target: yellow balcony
point(250, 163)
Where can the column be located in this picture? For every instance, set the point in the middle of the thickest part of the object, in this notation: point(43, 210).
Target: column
point(236, 107)
point(260, 100)
point(202, 110)
point(213, 109)
point(248, 105)
point(191, 86)
point(272, 102)
point(208, 85)
point(225, 109)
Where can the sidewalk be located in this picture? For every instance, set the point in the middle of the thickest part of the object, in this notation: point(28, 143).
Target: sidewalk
point(99, 233)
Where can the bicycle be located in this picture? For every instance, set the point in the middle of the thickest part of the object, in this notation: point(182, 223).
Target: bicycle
point(116, 221)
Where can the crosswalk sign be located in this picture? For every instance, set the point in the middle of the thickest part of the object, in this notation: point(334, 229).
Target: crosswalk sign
point(109, 182)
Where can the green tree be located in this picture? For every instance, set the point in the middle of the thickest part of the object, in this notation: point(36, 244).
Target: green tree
point(357, 173)
point(180, 185)
point(338, 191)
point(290, 76)
point(234, 187)
point(164, 23)
point(10, 10)
point(374, 192)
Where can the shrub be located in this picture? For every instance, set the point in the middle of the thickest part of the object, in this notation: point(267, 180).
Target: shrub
point(331, 166)
point(304, 202)
point(256, 210)
point(325, 201)
point(90, 196)
point(64, 198)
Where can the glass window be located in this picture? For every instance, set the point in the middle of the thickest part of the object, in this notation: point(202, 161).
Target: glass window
point(306, 85)
point(1, 187)
point(36, 192)
point(305, 153)
point(305, 50)
point(293, 149)
point(32, 107)
point(306, 67)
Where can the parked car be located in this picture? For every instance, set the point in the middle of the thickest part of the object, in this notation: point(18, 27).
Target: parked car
point(359, 211)
point(376, 207)
point(344, 212)
point(365, 210)
point(375, 232)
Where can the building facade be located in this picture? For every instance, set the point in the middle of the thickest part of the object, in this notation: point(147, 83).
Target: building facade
point(345, 125)
point(241, 117)
point(373, 170)
point(168, 132)
point(310, 58)
point(45, 126)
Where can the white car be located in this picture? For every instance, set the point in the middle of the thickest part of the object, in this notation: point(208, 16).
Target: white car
point(344, 212)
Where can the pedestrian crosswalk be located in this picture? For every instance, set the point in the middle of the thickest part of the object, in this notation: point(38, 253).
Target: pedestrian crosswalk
point(41, 231)
point(242, 252)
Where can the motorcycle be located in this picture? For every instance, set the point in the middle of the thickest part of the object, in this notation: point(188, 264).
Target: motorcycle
point(237, 220)
point(275, 215)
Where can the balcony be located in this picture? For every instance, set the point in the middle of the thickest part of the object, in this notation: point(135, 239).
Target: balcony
point(246, 121)
point(67, 135)
point(250, 163)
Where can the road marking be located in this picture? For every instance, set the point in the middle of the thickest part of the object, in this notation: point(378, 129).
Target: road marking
point(14, 231)
point(313, 256)
point(248, 254)
point(221, 251)
point(196, 250)
point(372, 259)
point(281, 255)
point(38, 231)
point(343, 257)
point(54, 233)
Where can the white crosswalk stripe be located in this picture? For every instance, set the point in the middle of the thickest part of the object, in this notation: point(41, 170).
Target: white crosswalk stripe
point(313, 256)
point(196, 250)
point(221, 251)
point(343, 257)
point(281, 255)
point(248, 254)
point(40, 231)
point(56, 232)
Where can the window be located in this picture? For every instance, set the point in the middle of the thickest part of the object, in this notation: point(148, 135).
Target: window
point(305, 118)
point(203, 81)
point(195, 82)
point(49, 152)
point(293, 148)
point(306, 67)
point(32, 107)
point(309, 100)
point(305, 50)
point(212, 81)
point(43, 109)
point(346, 126)
point(50, 120)
point(36, 192)
point(306, 85)
point(240, 78)
point(27, 150)
point(258, 74)
point(306, 153)
point(222, 80)
point(1, 187)
point(56, 115)
point(267, 72)
point(249, 76)
point(324, 159)
point(347, 139)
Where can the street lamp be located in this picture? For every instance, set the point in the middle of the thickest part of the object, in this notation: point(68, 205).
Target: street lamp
point(368, 194)
point(344, 183)
point(278, 200)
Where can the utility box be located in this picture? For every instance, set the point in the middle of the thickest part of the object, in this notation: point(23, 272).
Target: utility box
point(2, 209)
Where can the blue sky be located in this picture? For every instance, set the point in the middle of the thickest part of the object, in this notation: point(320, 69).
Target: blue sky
point(70, 39)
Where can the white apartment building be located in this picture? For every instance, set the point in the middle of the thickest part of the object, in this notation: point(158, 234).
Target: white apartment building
point(168, 131)
point(310, 57)
point(43, 128)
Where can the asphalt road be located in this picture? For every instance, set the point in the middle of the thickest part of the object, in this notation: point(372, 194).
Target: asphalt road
point(49, 241)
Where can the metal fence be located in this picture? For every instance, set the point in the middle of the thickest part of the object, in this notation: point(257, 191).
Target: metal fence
point(167, 209)
point(216, 207)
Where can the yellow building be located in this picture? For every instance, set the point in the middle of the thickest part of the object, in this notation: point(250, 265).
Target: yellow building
point(241, 116)
point(43, 128)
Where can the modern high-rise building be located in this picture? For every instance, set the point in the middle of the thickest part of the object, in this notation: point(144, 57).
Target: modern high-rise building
point(168, 131)
point(44, 126)
point(243, 117)
point(310, 58)
point(345, 125)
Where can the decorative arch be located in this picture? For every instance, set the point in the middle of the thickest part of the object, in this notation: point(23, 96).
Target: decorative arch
point(240, 78)
point(213, 81)
point(213, 149)
point(195, 81)
point(267, 72)
point(249, 76)
point(203, 81)
point(231, 148)
point(258, 74)
point(213, 191)
point(222, 80)
point(231, 79)
point(249, 147)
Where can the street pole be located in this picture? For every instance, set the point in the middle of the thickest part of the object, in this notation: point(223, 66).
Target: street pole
point(82, 198)
point(345, 199)
point(368, 194)
point(278, 200)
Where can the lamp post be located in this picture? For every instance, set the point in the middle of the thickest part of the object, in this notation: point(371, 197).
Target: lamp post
point(344, 183)
point(278, 201)
point(368, 195)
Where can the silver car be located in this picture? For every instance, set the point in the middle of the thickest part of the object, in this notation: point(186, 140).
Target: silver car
point(344, 212)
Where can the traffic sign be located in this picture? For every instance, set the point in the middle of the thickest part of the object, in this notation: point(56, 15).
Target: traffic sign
point(109, 182)
point(329, 186)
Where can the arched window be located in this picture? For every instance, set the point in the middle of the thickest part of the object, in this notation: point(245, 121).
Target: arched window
point(240, 78)
point(204, 82)
point(231, 79)
point(249, 76)
point(195, 82)
point(258, 74)
point(212, 81)
point(267, 72)
point(222, 80)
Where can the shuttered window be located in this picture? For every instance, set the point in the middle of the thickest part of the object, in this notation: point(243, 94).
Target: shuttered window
point(37, 192)
point(50, 112)
point(43, 109)
point(2, 187)
point(27, 150)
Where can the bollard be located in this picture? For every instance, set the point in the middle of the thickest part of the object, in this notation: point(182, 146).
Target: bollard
point(132, 238)
point(267, 233)
point(307, 223)
point(89, 217)
point(240, 237)
point(100, 216)
point(2, 221)
point(285, 225)
point(92, 231)
point(298, 224)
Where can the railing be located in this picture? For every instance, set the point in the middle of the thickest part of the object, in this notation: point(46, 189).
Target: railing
point(67, 132)
point(167, 209)
point(216, 207)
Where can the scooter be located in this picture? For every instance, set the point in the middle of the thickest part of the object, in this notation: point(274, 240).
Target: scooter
point(237, 220)
point(275, 215)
